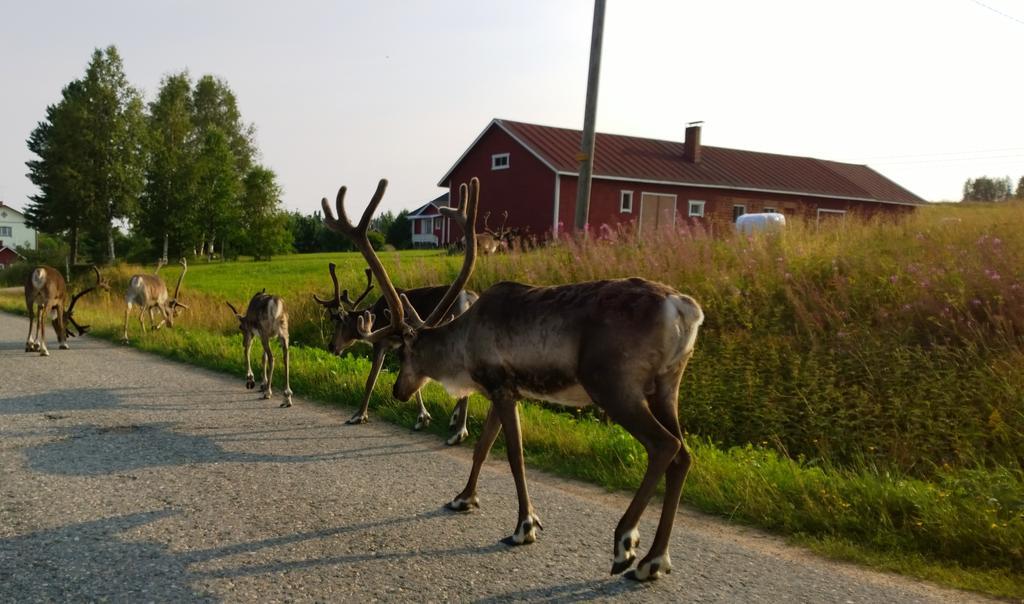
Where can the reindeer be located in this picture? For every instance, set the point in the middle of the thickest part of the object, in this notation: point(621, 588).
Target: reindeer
point(492, 242)
point(344, 313)
point(46, 293)
point(620, 344)
point(266, 317)
point(149, 292)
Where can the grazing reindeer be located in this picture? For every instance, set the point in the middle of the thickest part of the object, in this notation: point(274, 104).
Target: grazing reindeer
point(149, 292)
point(266, 317)
point(620, 344)
point(46, 290)
point(344, 313)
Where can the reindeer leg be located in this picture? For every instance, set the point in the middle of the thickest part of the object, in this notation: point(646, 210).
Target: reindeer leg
point(287, 372)
point(30, 342)
point(423, 419)
point(142, 319)
point(457, 422)
point(41, 323)
point(625, 403)
point(263, 361)
point(528, 522)
point(664, 404)
point(127, 312)
point(361, 416)
point(268, 368)
point(467, 498)
point(163, 317)
point(250, 379)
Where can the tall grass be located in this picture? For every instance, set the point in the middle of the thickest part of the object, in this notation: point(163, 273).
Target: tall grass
point(860, 385)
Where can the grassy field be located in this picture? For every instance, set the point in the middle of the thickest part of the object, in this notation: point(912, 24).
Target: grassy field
point(858, 388)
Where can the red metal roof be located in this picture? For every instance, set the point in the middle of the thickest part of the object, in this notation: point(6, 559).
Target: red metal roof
point(634, 158)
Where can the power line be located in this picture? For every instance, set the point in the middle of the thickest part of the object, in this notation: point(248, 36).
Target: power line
point(998, 12)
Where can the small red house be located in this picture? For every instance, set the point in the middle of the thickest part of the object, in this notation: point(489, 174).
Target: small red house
point(428, 226)
point(531, 171)
point(8, 256)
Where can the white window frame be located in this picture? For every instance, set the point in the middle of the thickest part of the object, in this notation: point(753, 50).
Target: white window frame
point(623, 207)
point(771, 210)
point(496, 158)
point(6, 231)
point(700, 204)
point(736, 216)
point(821, 211)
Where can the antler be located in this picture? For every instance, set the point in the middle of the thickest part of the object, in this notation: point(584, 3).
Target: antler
point(159, 265)
point(465, 216)
point(358, 236)
point(233, 309)
point(100, 283)
point(184, 269)
point(369, 285)
point(336, 302)
point(501, 230)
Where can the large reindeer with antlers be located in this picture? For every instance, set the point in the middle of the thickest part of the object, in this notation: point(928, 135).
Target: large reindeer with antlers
point(620, 344)
point(46, 293)
point(344, 313)
point(149, 292)
point(265, 317)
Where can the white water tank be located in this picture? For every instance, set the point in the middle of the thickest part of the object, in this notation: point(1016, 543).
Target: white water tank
point(766, 222)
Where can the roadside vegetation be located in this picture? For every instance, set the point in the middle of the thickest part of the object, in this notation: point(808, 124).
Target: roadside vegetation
point(859, 387)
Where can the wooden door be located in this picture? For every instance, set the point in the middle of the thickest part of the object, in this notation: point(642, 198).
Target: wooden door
point(657, 211)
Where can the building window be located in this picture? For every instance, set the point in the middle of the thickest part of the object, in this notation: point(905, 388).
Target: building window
point(6, 231)
point(738, 210)
point(696, 208)
point(826, 214)
point(625, 202)
point(770, 211)
point(499, 161)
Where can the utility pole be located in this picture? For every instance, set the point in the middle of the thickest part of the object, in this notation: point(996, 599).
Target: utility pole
point(586, 154)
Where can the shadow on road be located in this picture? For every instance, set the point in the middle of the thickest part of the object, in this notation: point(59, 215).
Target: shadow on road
point(89, 562)
point(81, 399)
point(88, 450)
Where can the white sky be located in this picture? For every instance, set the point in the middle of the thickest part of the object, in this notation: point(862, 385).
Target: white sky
point(927, 92)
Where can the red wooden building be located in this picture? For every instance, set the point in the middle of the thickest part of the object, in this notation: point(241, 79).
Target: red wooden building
point(531, 171)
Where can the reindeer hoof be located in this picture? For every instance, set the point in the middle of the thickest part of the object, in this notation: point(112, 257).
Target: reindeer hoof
point(124, 340)
point(44, 353)
point(266, 395)
point(286, 404)
point(65, 347)
point(460, 504)
point(30, 348)
point(250, 383)
point(526, 532)
point(422, 422)
point(625, 551)
point(457, 438)
point(651, 570)
point(357, 419)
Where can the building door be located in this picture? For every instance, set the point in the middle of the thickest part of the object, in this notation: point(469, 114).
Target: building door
point(657, 211)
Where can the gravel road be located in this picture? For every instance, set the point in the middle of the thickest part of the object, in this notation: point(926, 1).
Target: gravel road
point(125, 477)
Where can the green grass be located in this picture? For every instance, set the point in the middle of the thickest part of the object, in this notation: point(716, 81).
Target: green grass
point(859, 389)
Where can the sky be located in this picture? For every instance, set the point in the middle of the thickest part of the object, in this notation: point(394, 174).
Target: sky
point(928, 93)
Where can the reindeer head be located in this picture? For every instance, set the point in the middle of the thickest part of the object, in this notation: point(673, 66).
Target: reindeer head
point(400, 332)
point(343, 312)
point(69, 313)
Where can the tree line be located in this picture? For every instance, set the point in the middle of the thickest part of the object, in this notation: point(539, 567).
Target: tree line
point(181, 174)
point(985, 188)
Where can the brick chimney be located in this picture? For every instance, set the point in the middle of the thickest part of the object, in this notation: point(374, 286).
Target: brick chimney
point(691, 145)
